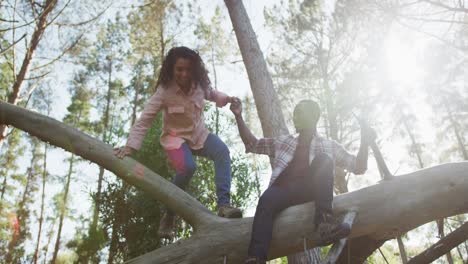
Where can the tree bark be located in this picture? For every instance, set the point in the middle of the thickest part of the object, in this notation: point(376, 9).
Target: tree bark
point(415, 201)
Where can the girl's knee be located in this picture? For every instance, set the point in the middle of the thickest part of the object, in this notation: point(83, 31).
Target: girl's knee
point(185, 168)
point(189, 169)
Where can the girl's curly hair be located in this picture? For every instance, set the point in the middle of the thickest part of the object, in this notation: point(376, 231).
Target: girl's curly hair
point(199, 72)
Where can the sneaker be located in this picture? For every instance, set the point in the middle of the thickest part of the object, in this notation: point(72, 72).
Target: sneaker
point(166, 226)
point(254, 260)
point(227, 211)
point(330, 229)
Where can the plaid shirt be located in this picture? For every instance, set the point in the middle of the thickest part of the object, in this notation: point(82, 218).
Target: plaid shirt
point(281, 151)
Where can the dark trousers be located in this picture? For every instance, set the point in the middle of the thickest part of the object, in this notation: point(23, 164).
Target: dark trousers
point(292, 190)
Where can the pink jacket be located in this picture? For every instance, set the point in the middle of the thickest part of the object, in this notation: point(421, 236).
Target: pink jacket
point(182, 116)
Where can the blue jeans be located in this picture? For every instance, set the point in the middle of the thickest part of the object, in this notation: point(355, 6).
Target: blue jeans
point(214, 149)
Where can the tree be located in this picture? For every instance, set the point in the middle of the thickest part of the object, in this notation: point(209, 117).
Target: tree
point(106, 59)
point(16, 252)
point(43, 102)
point(79, 112)
point(42, 23)
point(37, 23)
point(9, 231)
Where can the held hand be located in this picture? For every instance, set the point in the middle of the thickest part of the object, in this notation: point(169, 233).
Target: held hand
point(236, 106)
point(232, 99)
point(121, 152)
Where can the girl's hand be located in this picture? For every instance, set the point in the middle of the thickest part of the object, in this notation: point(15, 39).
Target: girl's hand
point(121, 152)
point(236, 106)
point(232, 99)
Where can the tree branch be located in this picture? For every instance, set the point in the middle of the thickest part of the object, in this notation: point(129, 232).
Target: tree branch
point(72, 140)
point(62, 54)
point(84, 22)
point(456, 9)
point(12, 45)
point(460, 48)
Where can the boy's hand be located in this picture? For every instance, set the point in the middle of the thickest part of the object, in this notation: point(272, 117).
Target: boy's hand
point(368, 134)
point(236, 106)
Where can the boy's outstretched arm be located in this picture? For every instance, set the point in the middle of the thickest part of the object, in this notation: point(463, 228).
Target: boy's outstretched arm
point(246, 135)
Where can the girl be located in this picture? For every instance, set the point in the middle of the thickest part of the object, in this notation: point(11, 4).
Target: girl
point(182, 87)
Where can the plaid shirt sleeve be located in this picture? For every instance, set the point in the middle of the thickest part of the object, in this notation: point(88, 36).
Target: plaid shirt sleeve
point(343, 158)
point(261, 146)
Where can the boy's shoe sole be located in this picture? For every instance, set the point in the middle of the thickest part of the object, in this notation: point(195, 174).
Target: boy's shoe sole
point(166, 235)
point(341, 231)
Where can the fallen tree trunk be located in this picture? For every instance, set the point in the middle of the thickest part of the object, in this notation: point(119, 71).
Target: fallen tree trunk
point(416, 198)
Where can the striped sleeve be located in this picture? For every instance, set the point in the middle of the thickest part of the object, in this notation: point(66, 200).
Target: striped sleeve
point(261, 146)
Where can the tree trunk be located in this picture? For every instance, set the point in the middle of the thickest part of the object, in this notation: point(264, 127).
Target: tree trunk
point(63, 209)
point(266, 99)
point(4, 185)
point(105, 129)
point(215, 237)
point(401, 247)
point(265, 96)
point(50, 235)
point(41, 213)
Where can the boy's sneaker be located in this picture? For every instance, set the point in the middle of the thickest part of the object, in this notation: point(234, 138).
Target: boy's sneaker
point(227, 211)
point(166, 226)
point(254, 260)
point(330, 229)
